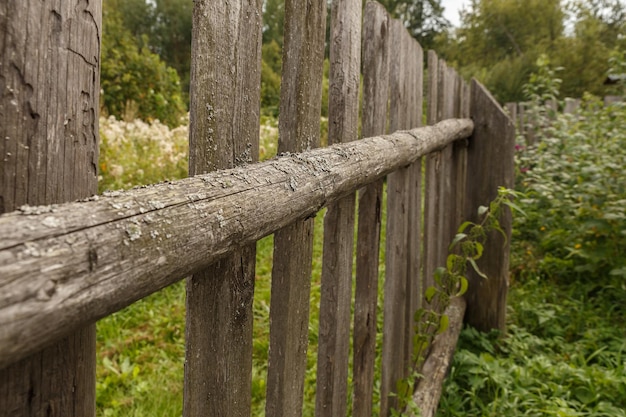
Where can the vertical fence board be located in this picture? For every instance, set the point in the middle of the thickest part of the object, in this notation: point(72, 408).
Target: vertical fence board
point(432, 196)
point(375, 94)
point(49, 154)
point(336, 292)
point(224, 132)
point(413, 280)
point(447, 208)
point(299, 129)
point(459, 163)
point(397, 232)
point(489, 165)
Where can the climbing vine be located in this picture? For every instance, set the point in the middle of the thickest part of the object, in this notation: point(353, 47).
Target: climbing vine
point(450, 281)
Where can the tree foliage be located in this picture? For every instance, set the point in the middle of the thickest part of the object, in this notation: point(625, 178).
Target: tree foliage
point(499, 42)
point(423, 18)
point(134, 80)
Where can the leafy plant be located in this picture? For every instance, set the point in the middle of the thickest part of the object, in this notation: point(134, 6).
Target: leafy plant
point(450, 281)
point(575, 196)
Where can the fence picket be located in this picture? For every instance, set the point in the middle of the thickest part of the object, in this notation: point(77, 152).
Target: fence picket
point(432, 194)
point(299, 130)
point(489, 158)
point(49, 154)
point(336, 291)
point(413, 280)
point(375, 95)
point(224, 133)
point(396, 269)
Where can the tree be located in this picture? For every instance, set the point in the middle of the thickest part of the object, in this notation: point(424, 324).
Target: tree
point(135, 81)
point(499, 42)
point(171, 36)
point(423, 18)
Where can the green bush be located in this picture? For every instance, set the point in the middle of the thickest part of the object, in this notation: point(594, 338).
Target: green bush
point(576, 196)
point(135, 82)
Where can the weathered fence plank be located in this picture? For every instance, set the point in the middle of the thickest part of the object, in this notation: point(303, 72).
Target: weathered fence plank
point(75, 263)
point(375, 95)
point(49, 154)
point(489, 158)
point(394, 327)
point(414, 212)
point(336, 286)
point(432, 195)
point(225, 101)
point(299, 130)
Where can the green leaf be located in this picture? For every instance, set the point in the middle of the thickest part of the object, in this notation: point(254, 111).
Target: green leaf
point(444, 323)
point(482, 210)
point(430, 293)
point(464, 285)
point(515, 207)
point(479, 250)
point(440, 272)
point(478, 271)
point(459, 236)
point(464, 226)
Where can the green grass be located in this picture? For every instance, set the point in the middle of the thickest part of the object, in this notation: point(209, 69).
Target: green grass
point(564, 355)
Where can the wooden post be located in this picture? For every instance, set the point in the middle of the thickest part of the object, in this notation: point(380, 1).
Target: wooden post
point(225, 101)
point(489, 166)
point(49, 92)
point(299, 130)
point(336, 292)
point(375, 95)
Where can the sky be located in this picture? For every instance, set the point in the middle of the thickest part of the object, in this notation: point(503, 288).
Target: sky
point(452, 8)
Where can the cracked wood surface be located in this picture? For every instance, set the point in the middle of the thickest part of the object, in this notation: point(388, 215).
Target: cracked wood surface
point(49, 92)
point(66, 265)
point(298, 130)
point(225, 106)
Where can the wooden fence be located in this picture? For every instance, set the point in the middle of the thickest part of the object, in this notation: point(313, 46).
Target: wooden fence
point(64, 266)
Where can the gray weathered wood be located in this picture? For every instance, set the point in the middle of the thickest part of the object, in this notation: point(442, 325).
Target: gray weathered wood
point(49, 84)
point(432, 195)
point(394, 318)
point(115, 249)
point(299, 130)
point(413, 281)
point(437, 364)
point(490, 159)
point(375, 95)
point(224, 121)
point(336, 287)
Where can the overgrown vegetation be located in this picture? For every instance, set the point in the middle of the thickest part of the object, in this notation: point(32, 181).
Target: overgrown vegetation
point(564, 354)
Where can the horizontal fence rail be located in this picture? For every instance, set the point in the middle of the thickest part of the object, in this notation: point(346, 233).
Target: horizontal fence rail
point(67, 265)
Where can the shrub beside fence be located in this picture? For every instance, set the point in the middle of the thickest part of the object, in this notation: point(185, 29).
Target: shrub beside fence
point(64, 266)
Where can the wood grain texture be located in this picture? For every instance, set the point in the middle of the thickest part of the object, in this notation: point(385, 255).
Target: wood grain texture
point(433, 167)
point(74, 263)
point(490, 157)
point(437, 364)
point(298, 130)
point(396, 244)
point(375, 96)
point(413, 281)
point(49, 90)
point(224, 132)
point(336, 282)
